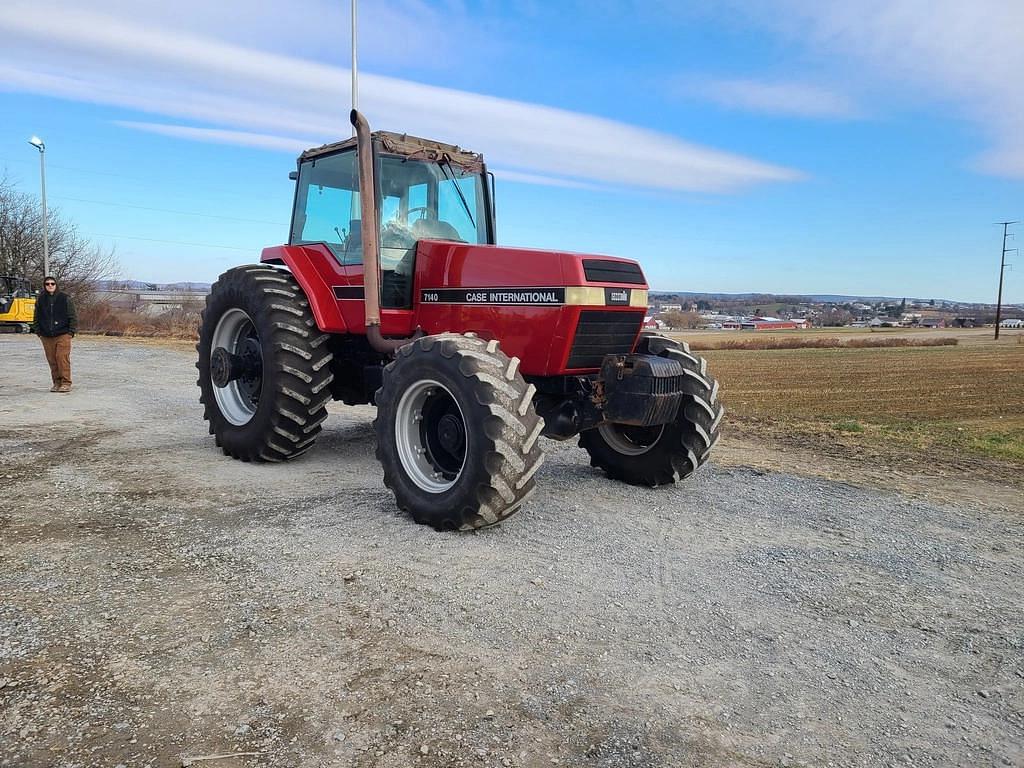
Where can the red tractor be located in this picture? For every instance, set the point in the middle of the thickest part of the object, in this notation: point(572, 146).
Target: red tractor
point(395, 293)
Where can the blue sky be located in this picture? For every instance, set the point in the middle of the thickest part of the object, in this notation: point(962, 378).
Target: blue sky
point(790, 146)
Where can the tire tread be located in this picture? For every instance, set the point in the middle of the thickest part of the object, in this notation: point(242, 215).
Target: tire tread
point(512, 454)
point(296, 406)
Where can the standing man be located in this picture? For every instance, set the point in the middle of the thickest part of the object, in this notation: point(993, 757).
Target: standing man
point(56, 323)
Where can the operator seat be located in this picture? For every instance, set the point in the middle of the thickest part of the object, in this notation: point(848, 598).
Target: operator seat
point(431, 229)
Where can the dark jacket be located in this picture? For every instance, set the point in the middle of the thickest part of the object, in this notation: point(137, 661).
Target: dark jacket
point(55, 315)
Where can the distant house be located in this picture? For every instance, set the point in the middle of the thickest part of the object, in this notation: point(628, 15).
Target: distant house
point(768, 324)
point(932, 322)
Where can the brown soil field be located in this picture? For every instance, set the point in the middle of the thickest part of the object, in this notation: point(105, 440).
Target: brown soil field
point(931, 407)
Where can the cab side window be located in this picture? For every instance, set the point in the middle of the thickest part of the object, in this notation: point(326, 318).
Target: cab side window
point(327, 206)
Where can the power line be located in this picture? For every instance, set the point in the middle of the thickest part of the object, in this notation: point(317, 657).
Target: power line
point(171, 242)
point(139, 179)
point(83, 170)
point(168, 210)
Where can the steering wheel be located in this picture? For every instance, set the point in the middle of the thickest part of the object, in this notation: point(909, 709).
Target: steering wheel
point(420, 209)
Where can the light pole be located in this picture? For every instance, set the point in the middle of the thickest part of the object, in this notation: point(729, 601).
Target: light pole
point(39, 144)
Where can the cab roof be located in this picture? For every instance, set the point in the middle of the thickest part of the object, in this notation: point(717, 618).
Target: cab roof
point(408, 146)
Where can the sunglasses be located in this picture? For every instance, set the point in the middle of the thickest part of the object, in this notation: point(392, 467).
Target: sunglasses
point(50, 283)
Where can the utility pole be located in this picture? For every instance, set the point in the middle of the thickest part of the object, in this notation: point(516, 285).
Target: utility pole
point(1002, 269)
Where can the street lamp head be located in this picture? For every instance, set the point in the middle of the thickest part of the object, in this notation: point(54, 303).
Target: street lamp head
point(38, 143)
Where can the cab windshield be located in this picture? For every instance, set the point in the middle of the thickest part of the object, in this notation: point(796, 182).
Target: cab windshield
point(430, 200)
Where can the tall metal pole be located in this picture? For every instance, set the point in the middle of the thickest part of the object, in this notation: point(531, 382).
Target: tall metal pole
point(355, 71)
point(40, 145)
point(1002, 269)
point(46, 232)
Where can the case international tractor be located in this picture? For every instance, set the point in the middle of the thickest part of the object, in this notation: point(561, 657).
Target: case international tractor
point(391, 290)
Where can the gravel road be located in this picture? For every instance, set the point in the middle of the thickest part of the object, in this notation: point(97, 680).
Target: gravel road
point(160, 602)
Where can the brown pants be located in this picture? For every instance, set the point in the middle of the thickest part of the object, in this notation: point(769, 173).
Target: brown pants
point(58, 355)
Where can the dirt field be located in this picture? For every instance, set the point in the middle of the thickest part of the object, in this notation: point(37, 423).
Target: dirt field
point(161, 603)
point(958, 406)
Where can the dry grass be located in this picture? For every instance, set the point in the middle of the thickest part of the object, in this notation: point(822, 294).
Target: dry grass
point(822, 342)
point(105, 320)
point(962, 397)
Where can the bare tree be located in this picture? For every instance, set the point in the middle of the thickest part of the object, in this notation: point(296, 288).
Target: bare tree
point(76, 263)
point(677, 319)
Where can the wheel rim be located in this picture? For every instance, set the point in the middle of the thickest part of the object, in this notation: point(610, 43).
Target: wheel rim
point(629, 440)
point(240, 398)
point(430, 434)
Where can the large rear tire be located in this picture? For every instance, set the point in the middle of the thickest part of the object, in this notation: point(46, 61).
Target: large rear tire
point(258, 337)
point(457, 434)
point(667, 453)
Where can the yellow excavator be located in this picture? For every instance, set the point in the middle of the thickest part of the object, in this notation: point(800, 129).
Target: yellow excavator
point(17, 304)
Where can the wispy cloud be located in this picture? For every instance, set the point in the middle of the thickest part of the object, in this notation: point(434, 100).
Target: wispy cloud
point(967, 54)
point(777, 97)
point(544, 181)
point(260, 98)
point(221, 136)
point(297, 145)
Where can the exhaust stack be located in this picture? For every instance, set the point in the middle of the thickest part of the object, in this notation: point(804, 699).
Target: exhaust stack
point(371, 245)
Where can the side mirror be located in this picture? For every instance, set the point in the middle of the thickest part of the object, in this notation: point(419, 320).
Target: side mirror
point(293, 175)
point(494, 207)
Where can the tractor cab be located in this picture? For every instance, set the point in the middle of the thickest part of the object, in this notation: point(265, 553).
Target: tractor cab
point(17, 303)
point(424, 190)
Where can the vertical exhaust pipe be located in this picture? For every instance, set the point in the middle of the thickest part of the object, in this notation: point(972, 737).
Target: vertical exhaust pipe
point(371, 243)
point(368, 203)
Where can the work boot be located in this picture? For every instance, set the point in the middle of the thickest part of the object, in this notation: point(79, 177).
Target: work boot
point(55, 388)
point(64, 388)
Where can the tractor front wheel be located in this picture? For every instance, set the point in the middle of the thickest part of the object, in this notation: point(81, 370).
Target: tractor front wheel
point(457, 432)
point(264, 368)
point(665, 453)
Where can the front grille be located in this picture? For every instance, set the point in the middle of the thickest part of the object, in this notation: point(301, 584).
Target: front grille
point(604, 271)
point(601, 333)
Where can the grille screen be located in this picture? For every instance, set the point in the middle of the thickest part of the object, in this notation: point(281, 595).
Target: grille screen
point(601, 333)
point(602, 271)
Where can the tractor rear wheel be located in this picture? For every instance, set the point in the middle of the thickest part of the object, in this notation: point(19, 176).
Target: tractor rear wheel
point(264, 368)
point(457, 434)
point(669, 452)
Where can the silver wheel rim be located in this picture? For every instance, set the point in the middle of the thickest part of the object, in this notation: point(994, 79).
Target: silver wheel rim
point(232, 329)
point(414, 440)
point(627, 445)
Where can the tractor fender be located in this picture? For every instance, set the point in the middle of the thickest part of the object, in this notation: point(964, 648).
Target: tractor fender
point(315, 273)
